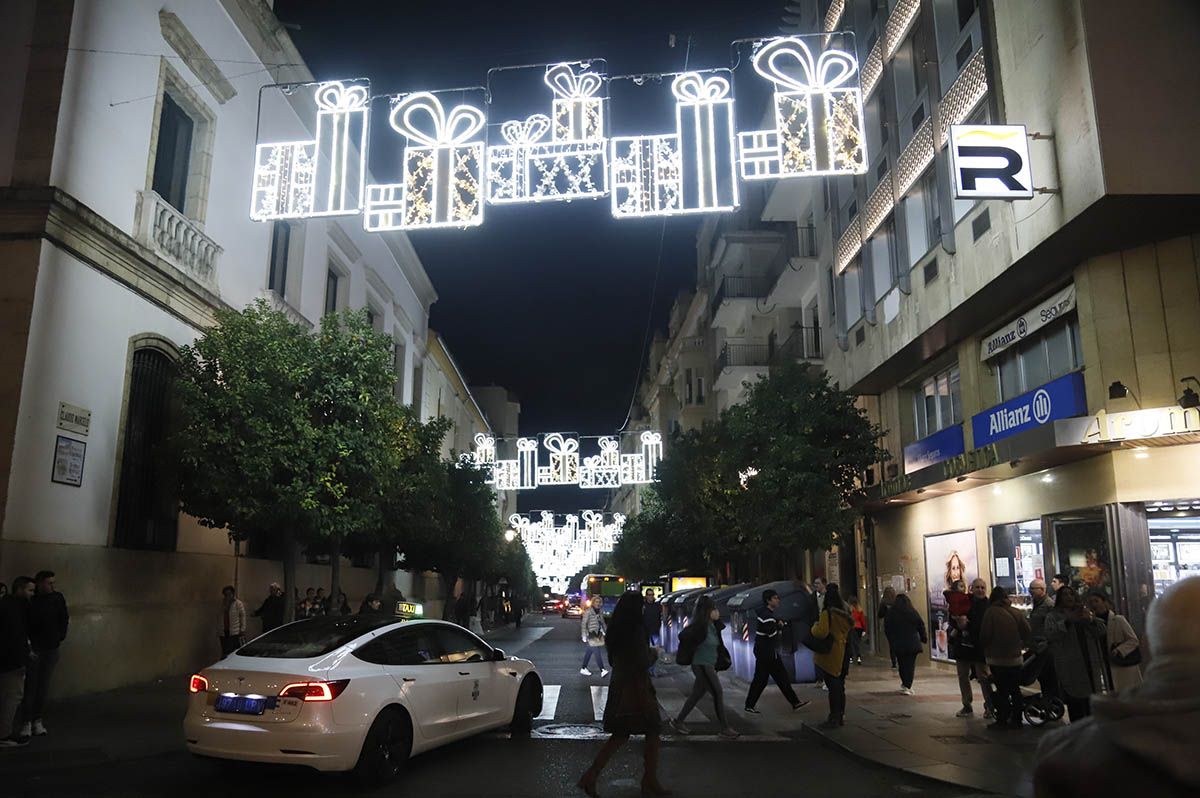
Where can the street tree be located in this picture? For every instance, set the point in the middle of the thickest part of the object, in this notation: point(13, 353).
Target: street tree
point(246, 442)
point(802, 447)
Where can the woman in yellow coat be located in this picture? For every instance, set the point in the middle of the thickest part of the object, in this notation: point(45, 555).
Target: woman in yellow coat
point(835, 624)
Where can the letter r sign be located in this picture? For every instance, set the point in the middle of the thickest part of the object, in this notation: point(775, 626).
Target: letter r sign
point(990, 162)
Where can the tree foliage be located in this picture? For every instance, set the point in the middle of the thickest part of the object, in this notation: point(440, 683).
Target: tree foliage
point(292, 437)
point(772, 477)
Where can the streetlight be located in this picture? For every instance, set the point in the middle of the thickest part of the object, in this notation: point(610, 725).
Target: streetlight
point(510, 536)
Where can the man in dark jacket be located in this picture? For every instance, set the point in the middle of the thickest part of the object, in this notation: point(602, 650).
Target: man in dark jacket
point(48, 619)
point(1140, 741)
point(767, 664)
point(14, 656)
point(1042, 605)
point(968, 654)
point(652, 621)
point(271, 610)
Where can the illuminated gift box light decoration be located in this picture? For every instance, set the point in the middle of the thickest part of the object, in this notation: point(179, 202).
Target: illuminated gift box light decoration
point(321, 177)
point(818, 115)
point(558, 552)
point(690, 171)
point(284, 175)
point(443, 168)
point(563, 466)
point(573, 164)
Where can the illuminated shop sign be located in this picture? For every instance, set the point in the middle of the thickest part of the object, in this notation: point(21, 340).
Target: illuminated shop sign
point(990, 162)
point(1028, 323)
point(1105, 427)
point(934, 449)
point(455, 160)
point(1061, 398)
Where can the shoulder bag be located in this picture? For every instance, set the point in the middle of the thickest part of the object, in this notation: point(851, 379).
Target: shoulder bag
point(820, 645)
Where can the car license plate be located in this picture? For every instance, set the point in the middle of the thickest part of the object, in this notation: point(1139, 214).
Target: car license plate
point(240, 704)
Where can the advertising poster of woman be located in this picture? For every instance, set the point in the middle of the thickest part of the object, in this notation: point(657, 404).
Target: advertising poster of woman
point(949, 557)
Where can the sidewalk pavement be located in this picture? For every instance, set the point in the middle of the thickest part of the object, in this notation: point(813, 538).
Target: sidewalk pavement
point(920, 734)
point(127, 723)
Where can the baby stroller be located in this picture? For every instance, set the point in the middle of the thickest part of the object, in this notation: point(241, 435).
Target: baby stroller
point(1038, 709)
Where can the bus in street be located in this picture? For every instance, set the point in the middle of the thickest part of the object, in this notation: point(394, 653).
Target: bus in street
point(608, 587)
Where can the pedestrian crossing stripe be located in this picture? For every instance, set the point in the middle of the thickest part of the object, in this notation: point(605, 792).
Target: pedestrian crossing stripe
point(599, 698)
point(549, 701)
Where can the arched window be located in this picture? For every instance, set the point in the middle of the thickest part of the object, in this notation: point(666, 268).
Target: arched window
point(147, 508)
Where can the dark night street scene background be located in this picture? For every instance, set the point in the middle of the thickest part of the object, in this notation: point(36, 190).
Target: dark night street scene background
point(530, 399)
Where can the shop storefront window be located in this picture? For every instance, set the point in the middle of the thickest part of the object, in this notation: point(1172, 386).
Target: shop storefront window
point(1082, 552)
point(1174, 541)
point(1017, 559)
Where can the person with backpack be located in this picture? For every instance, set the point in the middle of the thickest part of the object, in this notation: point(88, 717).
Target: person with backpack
point(905, 633)
point(701, 646)
point(1004, 636)
point(591, 629)
point(831, 654)
point(885, 605)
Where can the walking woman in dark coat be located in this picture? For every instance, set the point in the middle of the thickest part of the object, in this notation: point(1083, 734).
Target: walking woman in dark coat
point(905, 633)
point(632, 706)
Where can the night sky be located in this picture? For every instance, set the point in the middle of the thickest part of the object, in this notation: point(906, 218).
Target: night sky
point(550, 300)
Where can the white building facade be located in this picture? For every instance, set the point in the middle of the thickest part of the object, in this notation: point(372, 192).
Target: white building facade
point(125, 165)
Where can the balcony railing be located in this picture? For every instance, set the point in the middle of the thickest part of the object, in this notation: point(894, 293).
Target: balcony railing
point(745, 355)
point(756, 287)
point(803, 344)
point(177, 239)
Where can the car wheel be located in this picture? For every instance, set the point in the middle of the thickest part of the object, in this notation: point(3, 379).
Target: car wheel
point(528, 699)
point(385, 749)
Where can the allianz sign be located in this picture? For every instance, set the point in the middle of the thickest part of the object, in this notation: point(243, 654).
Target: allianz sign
point(1061, 398)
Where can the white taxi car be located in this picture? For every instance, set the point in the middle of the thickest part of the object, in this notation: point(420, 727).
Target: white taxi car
point(358, 692)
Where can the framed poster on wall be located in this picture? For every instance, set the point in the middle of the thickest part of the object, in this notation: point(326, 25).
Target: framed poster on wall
point(949, 556)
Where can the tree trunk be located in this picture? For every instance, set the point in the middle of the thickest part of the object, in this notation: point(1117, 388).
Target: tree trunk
point(289, 576)
point(335, 569)
point(448, 580)
point(381, 564)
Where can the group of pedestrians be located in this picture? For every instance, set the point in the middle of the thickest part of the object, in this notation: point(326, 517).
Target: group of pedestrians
point(1075, 647)
point(33, 624)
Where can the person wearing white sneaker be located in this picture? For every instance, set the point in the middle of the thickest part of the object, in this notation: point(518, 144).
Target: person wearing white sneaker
point(48, 620)
point(700, 646)
point(905, 633)
point(14, 657)
point(591, 630)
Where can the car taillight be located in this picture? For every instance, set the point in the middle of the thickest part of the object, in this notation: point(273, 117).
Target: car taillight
point(314, 691)
point(198, 684)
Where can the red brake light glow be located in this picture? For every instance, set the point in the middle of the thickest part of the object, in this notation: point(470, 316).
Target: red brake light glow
point(198, 684)
point(314, 691)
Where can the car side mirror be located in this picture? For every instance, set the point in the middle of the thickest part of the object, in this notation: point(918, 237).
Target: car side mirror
point(498, 655)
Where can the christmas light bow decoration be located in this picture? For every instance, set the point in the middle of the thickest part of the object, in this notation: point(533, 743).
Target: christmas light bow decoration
point(818, 115)
point(442, 168)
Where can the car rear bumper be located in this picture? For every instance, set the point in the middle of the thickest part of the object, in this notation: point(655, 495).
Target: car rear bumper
point(323, 749)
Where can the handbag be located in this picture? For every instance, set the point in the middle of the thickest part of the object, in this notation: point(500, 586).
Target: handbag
point(1125, 660)
point(820, 645)
point(724, 661)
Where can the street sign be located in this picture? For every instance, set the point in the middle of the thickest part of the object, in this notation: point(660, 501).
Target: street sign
point(990, 162)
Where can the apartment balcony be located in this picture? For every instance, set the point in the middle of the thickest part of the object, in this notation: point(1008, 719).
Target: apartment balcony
point(795, 271)
point(177, 239)
point(804, 344)
point(739, 363)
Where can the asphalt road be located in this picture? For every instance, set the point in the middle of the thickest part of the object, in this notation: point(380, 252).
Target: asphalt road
point(774, 757)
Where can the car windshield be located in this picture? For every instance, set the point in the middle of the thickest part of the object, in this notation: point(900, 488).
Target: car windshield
point(313, 637)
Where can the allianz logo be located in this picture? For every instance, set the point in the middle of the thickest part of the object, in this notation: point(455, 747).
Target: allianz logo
point(1037, 409)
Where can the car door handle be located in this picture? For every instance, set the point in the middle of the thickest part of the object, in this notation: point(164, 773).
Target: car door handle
point(464, 673)
point(410, 678)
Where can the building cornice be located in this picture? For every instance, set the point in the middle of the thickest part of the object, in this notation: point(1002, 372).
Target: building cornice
point(55, 216)
point(184, 43)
